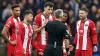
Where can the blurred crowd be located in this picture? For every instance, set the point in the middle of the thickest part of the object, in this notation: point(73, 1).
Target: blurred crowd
point(37, 6)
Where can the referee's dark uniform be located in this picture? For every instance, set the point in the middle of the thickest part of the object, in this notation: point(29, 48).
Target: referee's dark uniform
point(57, 31)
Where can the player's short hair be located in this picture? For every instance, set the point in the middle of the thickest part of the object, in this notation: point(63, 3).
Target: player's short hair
point(58, 13)
point(49, 4)
point(14, 6)
point(84, 9)
point(27, 12)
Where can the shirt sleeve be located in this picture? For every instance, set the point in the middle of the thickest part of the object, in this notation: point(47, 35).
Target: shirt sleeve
point(9, 23)
point(34, 44)
point(37, 20)
point(93, 33)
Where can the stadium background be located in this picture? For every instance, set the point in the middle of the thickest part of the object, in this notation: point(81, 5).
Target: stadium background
point(37, 7)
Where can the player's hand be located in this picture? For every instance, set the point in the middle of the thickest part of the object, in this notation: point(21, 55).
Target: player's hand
point(94, 48)
point(71, 47)
point(40, 53)
point(14, 42)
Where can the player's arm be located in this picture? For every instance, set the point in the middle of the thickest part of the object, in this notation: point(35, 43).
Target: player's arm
point(40, 51)
point(94, 36)
point(93, 33)
point(34, 45)
point(37, 27)
point(4, 33)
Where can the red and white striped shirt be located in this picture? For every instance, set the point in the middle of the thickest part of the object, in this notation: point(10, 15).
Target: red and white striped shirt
point(82, 36)
point(13, 33)
point(42, 36)
point(26, 32)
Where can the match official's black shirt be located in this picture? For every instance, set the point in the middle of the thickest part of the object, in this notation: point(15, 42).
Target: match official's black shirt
point(57, 31)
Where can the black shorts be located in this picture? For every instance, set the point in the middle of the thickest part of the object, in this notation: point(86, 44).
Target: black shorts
point(51, 51)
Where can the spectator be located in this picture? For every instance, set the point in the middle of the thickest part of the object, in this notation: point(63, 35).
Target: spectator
point(98, 23)
point(66, 6)
point(92, 14)
point(75, 7)
point(6, 12)
point(83, 5)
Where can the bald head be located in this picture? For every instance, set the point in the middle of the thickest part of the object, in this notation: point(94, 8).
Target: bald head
point(58, 13)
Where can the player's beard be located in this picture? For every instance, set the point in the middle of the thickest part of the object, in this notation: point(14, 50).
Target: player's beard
point(82, 18)
point(17, 15)
point(30, 22)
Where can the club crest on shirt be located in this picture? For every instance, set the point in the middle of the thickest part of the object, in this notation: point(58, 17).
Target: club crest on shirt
point(86, 25)
point(78, 24)
point(9, 22)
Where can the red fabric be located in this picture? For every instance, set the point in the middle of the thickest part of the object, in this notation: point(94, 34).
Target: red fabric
point(30, 38)
point(19, 54)
point(91, 31)
point(34, 45)
point(13, 34)
point(83, 52)
point(28, 54)
point(38, 22)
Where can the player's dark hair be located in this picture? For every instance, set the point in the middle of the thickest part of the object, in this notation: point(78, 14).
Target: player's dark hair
point(14, 6)
point(27, 12)
point(49, 4)
point(65, 11)
point(84, 9)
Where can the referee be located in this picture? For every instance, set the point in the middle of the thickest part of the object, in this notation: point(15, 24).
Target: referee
point(57, 31)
